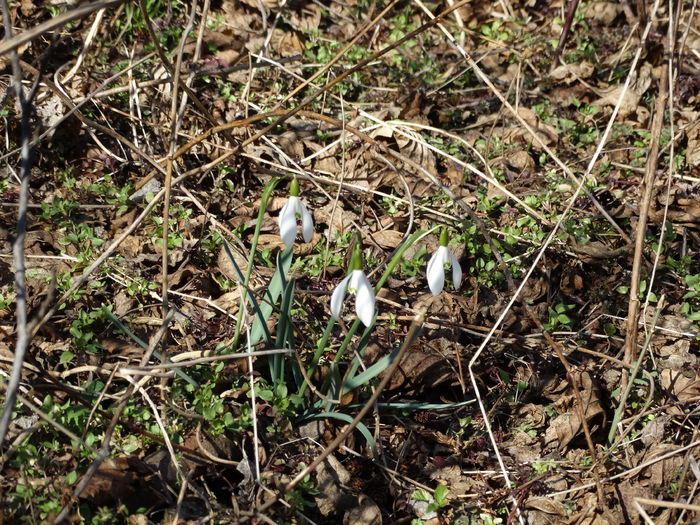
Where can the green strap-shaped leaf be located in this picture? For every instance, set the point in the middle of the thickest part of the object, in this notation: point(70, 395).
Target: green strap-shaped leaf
point(361, 427)
point(271, 295)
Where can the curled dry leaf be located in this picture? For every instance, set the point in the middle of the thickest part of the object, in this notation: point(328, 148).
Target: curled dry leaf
point(388, 239)
point(122, 479)
point(365, 512)
point(410, 144)
point(603, 12)
point(306, 18)
point(567, 426)
point(573, 72)
point(523, 447)
point(518, 134)
point(692, 155)
point(336, 218)
point(331, 477)
point(450, 474)
point(521, 160)
point(544, 511)
point(662, 473)
point(630, 101)
point(419, 373)
point(675, 382)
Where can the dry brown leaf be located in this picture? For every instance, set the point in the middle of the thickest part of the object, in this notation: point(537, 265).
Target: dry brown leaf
point(50, 111)
point(308, 17)
point(544, 511)
point(331, 477)
point(566, 426)
point(692, 155)
point(325, 162)
point(365, 512)
point(630, 101)
point(603, 12)
point(517, 134)
point(523, 447)
point(662, 473)
point(268, 4)
point(676, 356)
point(120, 479)
point(130, 246)
point(287, 43)
point(630, 489)
point(27, 7)
point(410, 144)
point(573, 72)
point(227, 42)
point(420, 372)
point(335, 217)
point(521, 160)
point(653, 432)
point(685, 212)
point(388, 239)
point(685, 389)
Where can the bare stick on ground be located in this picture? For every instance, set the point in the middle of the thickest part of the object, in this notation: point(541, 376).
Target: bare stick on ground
point(22, 327)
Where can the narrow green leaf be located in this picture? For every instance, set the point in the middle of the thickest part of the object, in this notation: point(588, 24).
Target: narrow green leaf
point(361, 427)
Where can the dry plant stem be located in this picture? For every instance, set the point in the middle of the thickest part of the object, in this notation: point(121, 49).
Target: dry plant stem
point(672, 36)
point(573, 4)
point(362, 32)
point(99, 91)
point(11, 43)
point(105, 448)
point(485, 79)
point(86, 45)
point(174, 127)
point(82, 279)
point(23, 331)
point(165, 61)
point(289, 114)
point(415, 325)
point(668, 504)
point(91, 124)
point(648, 183)
point(580, 409)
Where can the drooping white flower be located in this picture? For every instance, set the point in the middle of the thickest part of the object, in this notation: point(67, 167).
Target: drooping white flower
point(357, 284)
point(291, 211)
point(436, 267)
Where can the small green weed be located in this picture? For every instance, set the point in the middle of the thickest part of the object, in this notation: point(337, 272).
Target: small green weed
point(559, 319)
point(435, 501)
point(302, 496)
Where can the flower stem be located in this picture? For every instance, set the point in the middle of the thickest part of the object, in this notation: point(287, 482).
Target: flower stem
point(443, 236)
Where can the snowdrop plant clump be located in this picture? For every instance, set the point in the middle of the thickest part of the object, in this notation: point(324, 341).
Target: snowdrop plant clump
point(436, 267)
point(356, 283)
point(291, 212)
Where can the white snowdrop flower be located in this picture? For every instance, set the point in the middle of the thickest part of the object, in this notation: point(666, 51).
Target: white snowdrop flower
point(357, 284)
point(291, 211)
point(436, 267)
